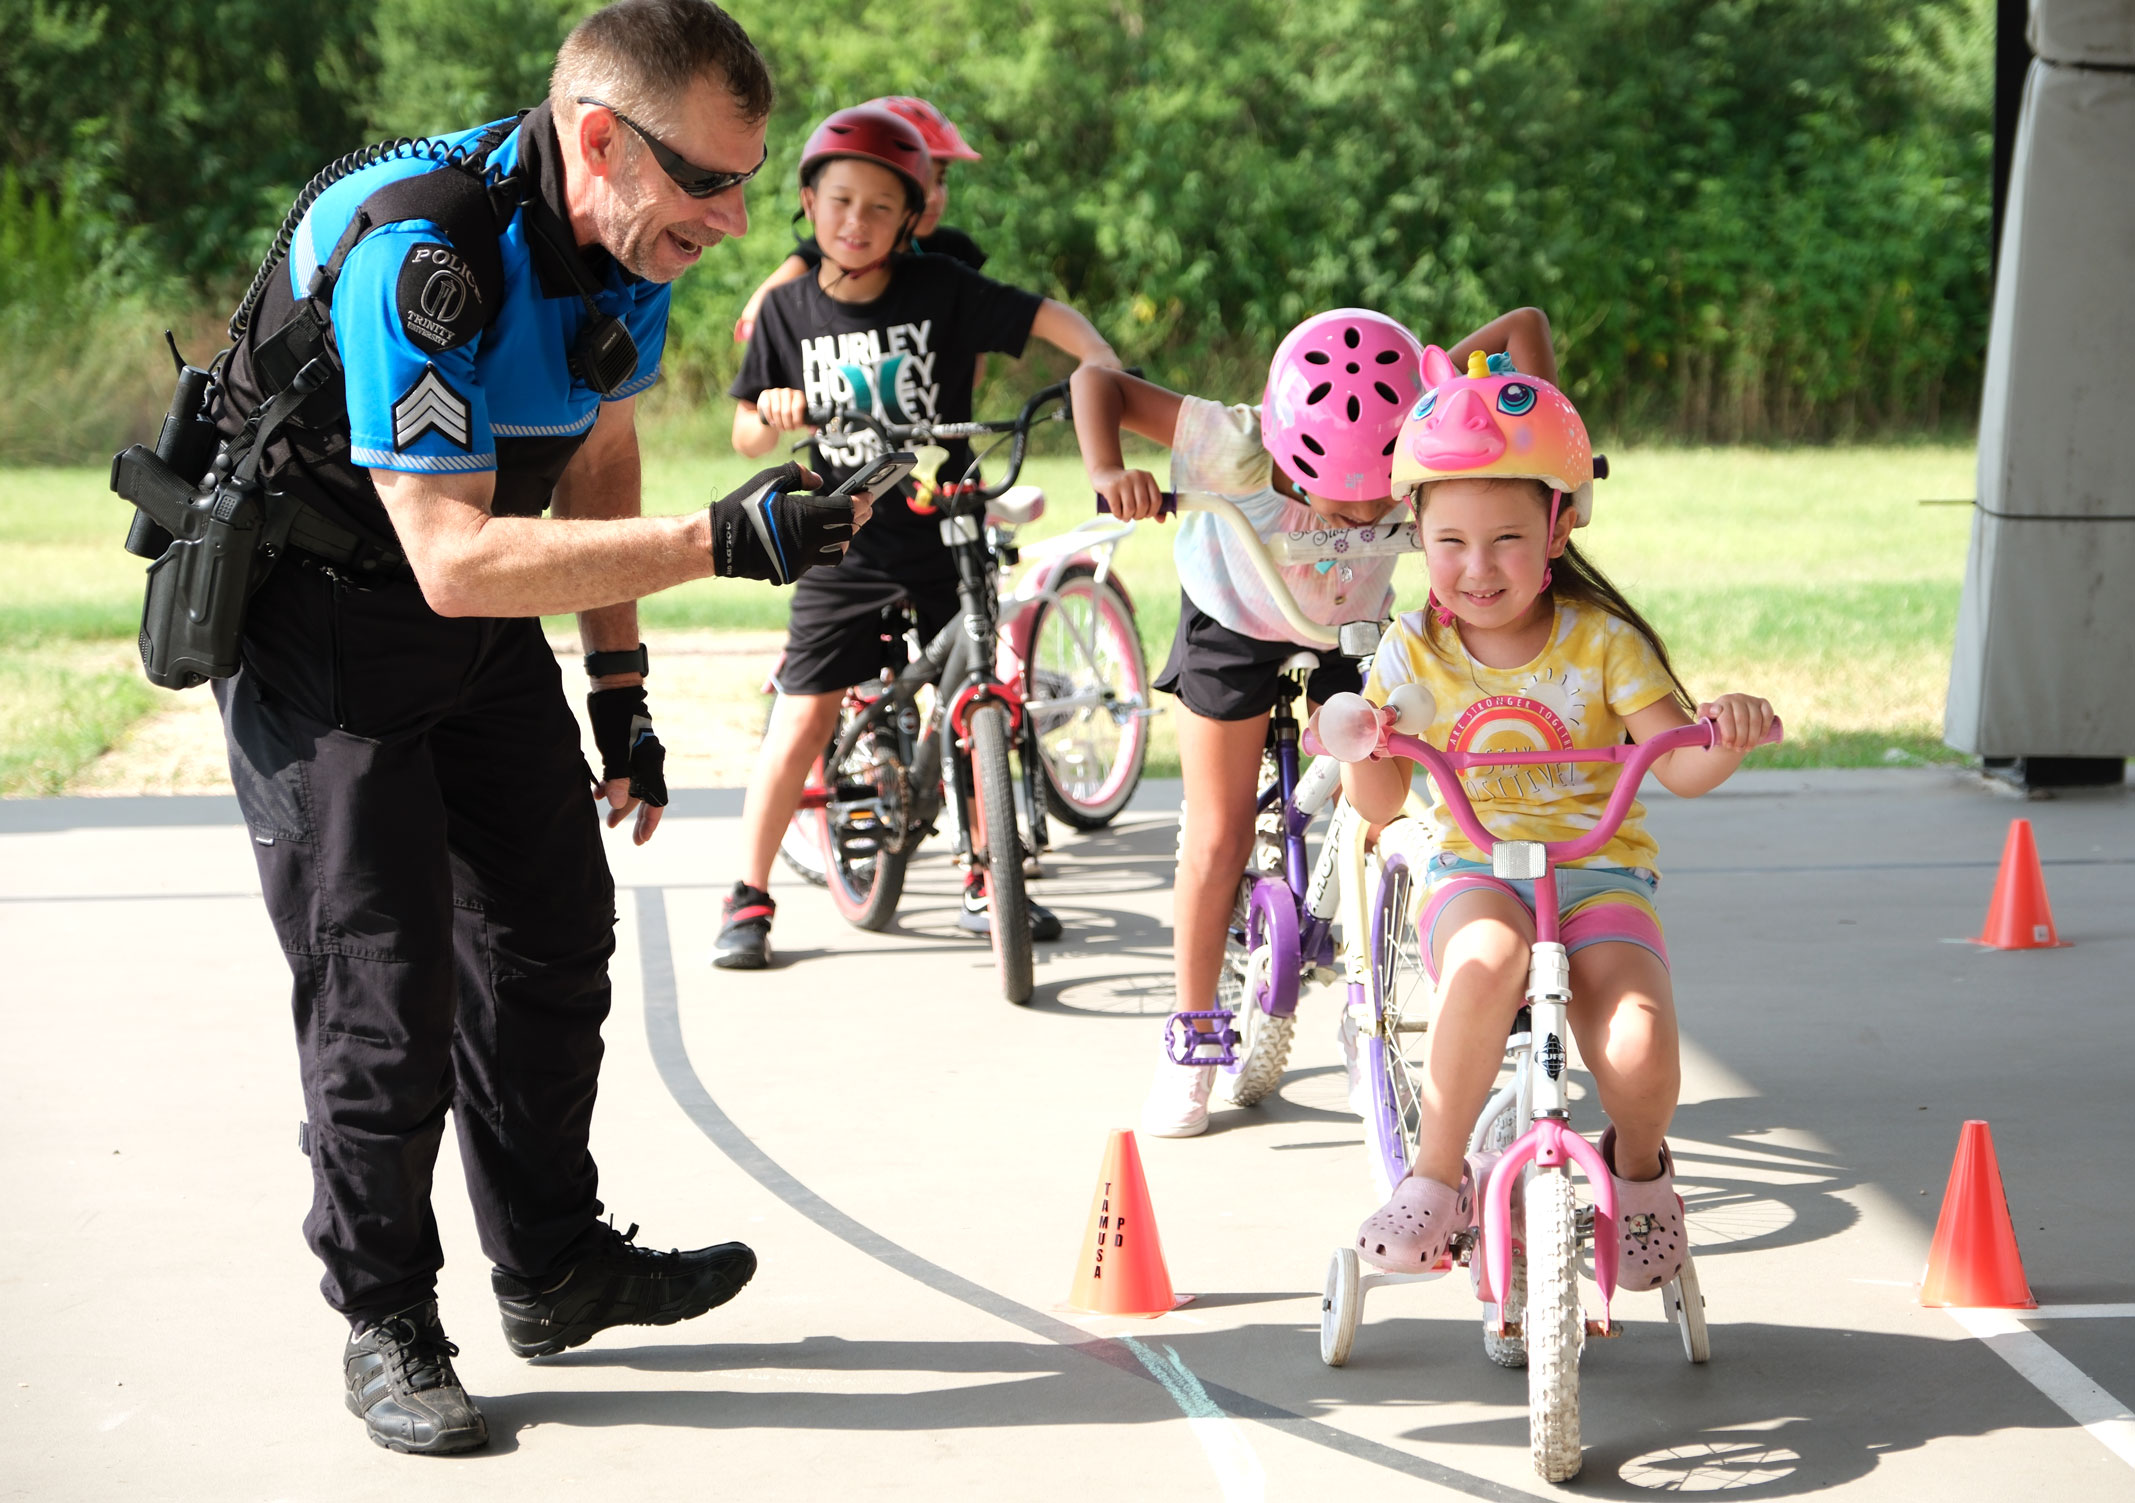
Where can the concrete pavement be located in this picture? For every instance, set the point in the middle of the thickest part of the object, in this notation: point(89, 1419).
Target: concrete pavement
point(912, 1159)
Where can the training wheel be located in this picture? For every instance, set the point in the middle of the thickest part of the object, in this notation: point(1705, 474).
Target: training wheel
point(1341, 1308)
point(1686, 1308)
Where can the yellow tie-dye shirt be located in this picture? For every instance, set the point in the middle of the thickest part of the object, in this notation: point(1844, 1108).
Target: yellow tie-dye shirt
point(1596, 670)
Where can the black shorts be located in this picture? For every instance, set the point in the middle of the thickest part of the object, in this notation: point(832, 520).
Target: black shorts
point(834, 630)
point(1225, 675)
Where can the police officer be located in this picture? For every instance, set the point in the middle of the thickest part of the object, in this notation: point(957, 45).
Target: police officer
point(398, 733)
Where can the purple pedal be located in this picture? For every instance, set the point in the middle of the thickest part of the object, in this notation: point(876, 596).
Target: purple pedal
point(1181, 1038)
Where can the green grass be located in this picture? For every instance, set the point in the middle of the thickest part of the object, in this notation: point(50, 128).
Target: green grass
point(1811, 576)
point(63, 574)
point(59, 716)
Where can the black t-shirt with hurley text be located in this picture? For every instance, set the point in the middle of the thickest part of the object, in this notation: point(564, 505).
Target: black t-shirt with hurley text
point(908, 355)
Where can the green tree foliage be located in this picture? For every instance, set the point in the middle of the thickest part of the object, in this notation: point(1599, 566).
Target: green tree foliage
point(446, 64)
point(1748, 219)
point(189, 122)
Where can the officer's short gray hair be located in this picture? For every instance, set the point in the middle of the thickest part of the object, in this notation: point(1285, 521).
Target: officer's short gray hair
point(642, 56)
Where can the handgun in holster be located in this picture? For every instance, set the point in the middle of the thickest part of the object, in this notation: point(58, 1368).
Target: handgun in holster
point(219, 533)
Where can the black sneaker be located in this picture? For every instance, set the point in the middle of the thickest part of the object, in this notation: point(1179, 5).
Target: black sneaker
point(974, 917)
point(400, 1379)
point(745, 929)
point(621, 1284)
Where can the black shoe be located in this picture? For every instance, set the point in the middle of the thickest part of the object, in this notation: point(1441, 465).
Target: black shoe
point(400, 1379)
point(974, 917)
point(620, 1284)
point(745, 929)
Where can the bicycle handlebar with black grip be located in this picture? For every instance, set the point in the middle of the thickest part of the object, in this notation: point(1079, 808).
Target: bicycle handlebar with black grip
point(1018, 427)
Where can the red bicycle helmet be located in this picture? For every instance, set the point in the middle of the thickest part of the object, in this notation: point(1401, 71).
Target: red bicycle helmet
point(872, 134)
point(942, 138)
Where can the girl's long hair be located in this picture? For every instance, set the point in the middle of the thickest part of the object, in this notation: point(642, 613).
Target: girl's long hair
point(1574, 576)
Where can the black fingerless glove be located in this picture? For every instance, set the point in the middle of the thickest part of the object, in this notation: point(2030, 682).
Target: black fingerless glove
point(766, 530)
point(622, 730)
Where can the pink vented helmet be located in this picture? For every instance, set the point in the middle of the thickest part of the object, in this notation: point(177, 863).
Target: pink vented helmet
point(1338, 389)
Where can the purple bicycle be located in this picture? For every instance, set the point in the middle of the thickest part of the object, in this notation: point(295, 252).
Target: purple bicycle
point(1295, 920)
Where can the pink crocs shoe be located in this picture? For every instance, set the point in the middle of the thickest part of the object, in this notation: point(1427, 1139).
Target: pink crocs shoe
point(1649, 1219)
point(1410, 1233)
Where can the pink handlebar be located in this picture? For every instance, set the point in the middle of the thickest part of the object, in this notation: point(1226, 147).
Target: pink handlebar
point(1637, 760)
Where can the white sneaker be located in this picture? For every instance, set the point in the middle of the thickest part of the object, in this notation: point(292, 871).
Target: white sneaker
point(1177, 1104)
point(1355, 1062)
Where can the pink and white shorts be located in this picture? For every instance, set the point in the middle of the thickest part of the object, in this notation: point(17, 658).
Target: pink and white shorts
point(1595, 904)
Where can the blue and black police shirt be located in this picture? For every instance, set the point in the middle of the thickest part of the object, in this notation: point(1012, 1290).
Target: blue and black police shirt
point(434, 382)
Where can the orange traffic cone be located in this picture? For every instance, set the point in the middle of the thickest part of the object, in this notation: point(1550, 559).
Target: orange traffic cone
point(1122, 1270)
point(1973, 1261)
point(2017, 916)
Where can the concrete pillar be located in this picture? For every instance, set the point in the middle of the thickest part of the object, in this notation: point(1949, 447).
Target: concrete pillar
point(2044, 665)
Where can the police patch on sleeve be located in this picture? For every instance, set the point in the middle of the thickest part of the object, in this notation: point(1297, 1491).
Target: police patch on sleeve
point(439, 300)
point(430, 406)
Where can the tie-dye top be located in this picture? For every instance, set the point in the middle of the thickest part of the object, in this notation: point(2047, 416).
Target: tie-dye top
point(1596, 670)
point(1217, 448)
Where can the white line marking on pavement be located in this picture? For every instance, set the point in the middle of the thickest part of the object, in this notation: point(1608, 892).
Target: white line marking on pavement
point(1238, 1469)
point(2080, 1312)
point(2054, 1375)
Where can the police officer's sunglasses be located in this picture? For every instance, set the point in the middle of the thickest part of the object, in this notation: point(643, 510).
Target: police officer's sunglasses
point(697, 182)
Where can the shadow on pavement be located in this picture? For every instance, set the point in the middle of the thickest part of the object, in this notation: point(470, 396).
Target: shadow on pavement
point(1652, 1422)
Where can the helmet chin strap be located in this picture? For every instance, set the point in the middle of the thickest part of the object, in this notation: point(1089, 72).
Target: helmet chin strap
point(1556, 499)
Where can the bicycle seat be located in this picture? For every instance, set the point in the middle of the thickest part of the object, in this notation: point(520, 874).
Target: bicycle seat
point(1018, 506)
point(1301, 662)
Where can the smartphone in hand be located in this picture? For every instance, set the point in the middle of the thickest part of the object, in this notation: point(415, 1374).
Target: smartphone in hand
point(879, 475)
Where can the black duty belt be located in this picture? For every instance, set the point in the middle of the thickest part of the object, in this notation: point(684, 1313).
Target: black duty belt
point(312, 531)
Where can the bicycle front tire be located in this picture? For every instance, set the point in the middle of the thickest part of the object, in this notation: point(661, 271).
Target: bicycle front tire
point(994, 799)
point(1555, 1326)
point(1085, 640)
point(1401, 992)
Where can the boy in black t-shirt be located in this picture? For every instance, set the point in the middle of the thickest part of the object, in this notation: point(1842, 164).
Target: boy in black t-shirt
point(905, 331)
point(945, 144)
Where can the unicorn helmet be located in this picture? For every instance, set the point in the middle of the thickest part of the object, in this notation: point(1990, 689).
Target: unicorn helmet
point(1482, 426)
point(1337, 389)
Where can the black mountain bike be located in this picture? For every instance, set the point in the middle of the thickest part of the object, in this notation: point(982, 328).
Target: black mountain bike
point(935, 733)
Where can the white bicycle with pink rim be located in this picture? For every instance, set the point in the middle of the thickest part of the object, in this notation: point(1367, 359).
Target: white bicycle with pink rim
point(1527, 1279)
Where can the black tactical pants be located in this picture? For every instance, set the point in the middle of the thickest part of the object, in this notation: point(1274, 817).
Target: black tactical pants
point(431, 859)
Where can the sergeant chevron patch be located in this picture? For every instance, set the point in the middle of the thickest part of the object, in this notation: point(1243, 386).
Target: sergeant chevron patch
point(430, 406)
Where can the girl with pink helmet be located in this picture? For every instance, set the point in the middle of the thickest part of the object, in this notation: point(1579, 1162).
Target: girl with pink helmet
point(1318, 452)
point(1524, 648)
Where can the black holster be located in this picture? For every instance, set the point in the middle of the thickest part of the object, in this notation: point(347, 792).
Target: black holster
point(226, 531)
point(195, 607)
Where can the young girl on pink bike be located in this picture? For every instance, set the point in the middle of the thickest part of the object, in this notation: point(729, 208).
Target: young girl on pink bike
point(1526, 647)
point(1317, 453)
